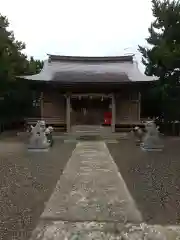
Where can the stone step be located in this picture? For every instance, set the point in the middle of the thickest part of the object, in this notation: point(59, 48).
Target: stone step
point(96, 136)
point(59, 230)
point(89, 129)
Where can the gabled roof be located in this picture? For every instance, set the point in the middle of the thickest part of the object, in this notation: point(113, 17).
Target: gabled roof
point(72, 69)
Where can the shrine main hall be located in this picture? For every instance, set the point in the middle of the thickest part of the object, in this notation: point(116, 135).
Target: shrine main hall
point(89, 91)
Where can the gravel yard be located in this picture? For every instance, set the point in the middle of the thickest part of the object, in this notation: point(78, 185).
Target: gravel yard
point(27, 180)
point(153, 179)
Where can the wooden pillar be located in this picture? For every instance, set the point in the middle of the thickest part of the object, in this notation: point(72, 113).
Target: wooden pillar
point(113, 123)
point(139, 106)
point(42, 105)
point(68, 113)
point(130, 98)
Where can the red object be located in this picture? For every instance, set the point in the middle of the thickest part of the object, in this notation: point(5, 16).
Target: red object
point(107, 118)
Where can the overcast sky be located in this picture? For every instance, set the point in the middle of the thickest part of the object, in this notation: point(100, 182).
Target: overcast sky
point(79, 27)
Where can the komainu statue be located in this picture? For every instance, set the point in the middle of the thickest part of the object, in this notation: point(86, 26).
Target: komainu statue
point(41, 137)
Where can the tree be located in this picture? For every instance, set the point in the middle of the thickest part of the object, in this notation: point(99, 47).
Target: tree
point(162, 57)
point(15, 95)
point(34, 66)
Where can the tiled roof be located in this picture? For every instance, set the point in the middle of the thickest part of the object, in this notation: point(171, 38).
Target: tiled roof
point(67, 69)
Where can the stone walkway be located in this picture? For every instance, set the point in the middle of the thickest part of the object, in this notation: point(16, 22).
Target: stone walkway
point(90, 201)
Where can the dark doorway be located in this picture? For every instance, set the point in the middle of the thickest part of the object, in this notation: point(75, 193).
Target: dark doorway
point(89, 111)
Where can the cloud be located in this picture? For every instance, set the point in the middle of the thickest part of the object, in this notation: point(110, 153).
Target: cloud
point(81, 27)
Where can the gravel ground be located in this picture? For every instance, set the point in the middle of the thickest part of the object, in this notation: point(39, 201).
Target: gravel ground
point(26, 182)
point(153, 179)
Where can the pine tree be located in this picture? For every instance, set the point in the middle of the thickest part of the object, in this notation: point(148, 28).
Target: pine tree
point(162, 56)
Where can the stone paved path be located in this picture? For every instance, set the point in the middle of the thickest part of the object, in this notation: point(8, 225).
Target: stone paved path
point(91, 197)
point(91, 189)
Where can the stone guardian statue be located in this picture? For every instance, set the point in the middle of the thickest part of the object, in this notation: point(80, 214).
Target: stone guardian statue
point(38, 138)
point(151, 140)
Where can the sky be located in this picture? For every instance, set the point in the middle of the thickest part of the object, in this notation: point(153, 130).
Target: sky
point(79, 27)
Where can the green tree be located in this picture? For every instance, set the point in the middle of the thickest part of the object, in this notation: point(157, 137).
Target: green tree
point(162, 56)
point(15, 95)
point(34, 66)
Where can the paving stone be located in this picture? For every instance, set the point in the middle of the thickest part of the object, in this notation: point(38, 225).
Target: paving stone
point(91, 189)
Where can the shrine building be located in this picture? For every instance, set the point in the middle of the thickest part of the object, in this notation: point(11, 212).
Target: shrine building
point(89, 91)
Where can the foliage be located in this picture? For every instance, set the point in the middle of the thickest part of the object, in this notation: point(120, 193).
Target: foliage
point(162, 57)
point(15, 95)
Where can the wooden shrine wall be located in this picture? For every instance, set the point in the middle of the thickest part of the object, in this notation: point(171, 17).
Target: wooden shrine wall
point(127, 108)
point(54, 106)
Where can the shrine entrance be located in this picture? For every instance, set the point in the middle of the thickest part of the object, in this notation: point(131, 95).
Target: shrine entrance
point(89, 110)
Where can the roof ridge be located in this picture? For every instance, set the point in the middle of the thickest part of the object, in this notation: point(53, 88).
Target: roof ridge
point(123, 58)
